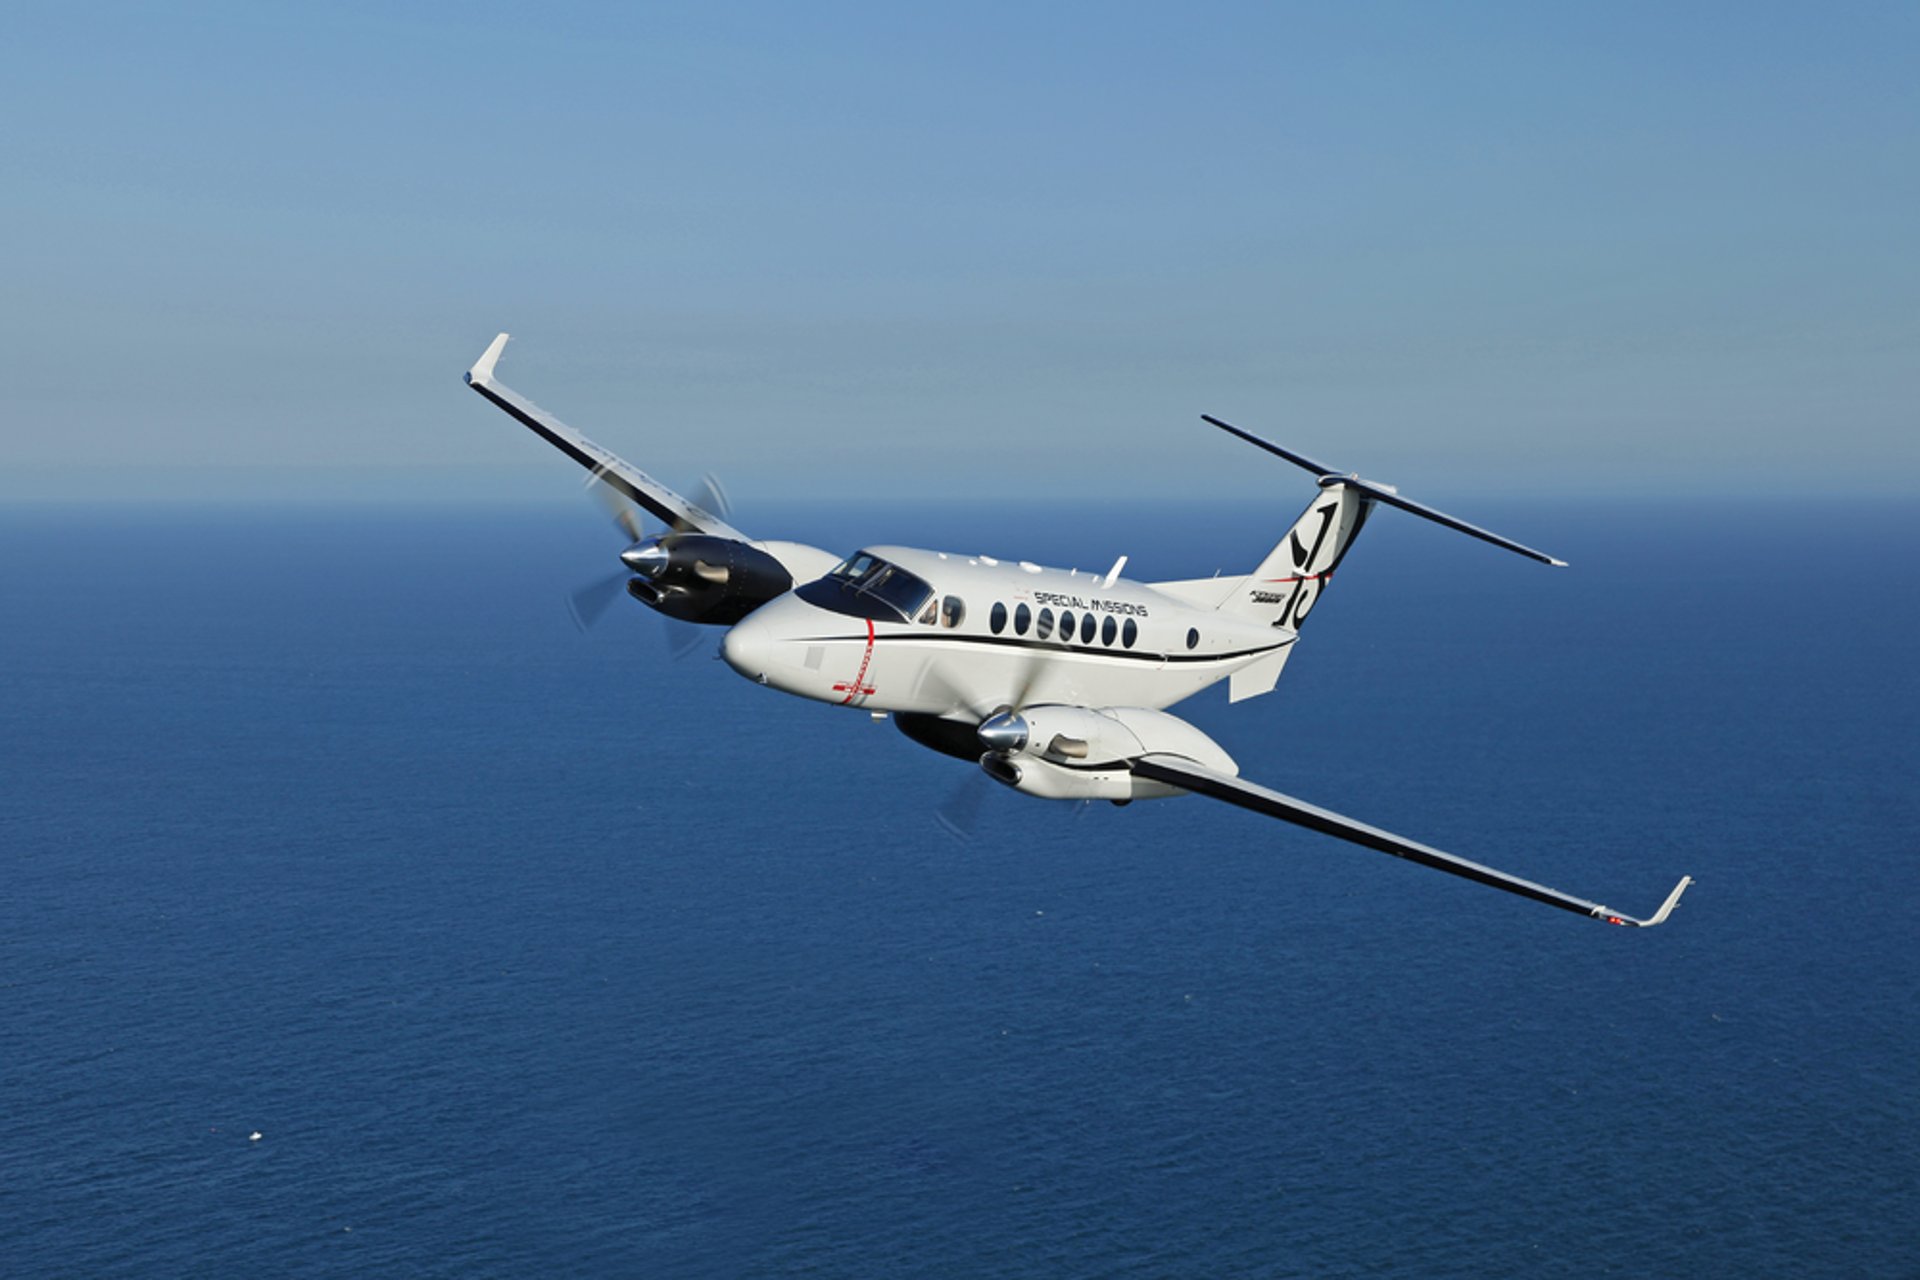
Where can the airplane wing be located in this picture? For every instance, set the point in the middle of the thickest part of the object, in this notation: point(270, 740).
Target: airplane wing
point(1185, 774)
point(637, 485)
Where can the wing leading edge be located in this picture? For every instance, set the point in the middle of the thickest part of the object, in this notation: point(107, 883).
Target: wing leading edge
point(1185, 774)
point(637, 485)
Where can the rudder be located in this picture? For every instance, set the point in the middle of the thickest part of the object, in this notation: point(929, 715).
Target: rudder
point(1289, 582)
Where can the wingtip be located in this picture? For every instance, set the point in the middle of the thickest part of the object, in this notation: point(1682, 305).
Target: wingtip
point(1673, 900)
point(1659, 917)
point(1558, 564)
point(482, 371)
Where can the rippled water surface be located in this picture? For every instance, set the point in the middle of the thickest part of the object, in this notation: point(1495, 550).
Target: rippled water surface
point(529, 953)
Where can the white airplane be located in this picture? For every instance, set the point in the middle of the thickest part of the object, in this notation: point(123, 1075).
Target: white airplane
point(1055, 682)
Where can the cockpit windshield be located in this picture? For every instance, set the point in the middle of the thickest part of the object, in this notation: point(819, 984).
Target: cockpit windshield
point(866, 586)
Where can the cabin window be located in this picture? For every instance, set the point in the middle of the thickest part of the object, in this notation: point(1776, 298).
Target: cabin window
point(1022, 618)
point(1193, 637)
point(1066, 626)
point(953, 611)
point(1088, 624)
point(998, 618)
point(1108, 630)
point(1129, 632)
point(1044, 627)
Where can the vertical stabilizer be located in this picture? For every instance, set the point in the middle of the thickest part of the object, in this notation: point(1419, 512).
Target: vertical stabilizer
point(1287, 584)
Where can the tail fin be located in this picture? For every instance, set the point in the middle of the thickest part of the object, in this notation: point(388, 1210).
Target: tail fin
point(1289, 581)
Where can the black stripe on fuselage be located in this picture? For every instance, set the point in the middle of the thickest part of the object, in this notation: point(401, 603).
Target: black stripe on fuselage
point(1050, 646)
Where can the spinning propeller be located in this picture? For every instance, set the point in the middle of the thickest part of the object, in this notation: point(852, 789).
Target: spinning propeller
point(644, 558)
point(1001, 733)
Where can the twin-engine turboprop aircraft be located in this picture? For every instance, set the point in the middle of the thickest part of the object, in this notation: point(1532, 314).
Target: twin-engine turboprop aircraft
point(1055, 682)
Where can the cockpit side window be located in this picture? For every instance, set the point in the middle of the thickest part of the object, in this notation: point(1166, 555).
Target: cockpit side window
point(855, 567)
point(898, 588)
point(865, 586)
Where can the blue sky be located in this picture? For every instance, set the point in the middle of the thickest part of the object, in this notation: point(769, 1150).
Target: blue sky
point(829, 249)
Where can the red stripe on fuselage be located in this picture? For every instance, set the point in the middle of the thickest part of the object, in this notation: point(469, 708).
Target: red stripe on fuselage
point(859, 687)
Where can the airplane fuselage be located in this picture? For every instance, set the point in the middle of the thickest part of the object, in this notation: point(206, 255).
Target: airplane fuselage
point(951, 635)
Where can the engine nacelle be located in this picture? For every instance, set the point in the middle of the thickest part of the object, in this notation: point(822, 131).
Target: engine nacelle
point(1081, 753)
point(698, 577)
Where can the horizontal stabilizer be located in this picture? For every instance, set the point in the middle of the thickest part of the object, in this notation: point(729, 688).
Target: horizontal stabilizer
point(1329, 478)
point(1381, 493)
point(1297, 459)
point(1185, 774)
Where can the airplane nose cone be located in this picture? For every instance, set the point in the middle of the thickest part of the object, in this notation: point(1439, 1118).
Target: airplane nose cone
point(747, 646)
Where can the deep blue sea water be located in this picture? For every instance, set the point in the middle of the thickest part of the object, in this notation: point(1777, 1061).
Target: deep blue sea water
point(531, 953)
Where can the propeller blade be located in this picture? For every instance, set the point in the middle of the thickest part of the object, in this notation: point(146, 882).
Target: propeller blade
point(1023, 692)
point(935, 681)
point(626, 516)
point(711, 496)
point(959, 813)
point(588, 604)
point(682, 637)
point(985, 706)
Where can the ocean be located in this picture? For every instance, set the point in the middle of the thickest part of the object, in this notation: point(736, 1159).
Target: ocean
point(529, 953)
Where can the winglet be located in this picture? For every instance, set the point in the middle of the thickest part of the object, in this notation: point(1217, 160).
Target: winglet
point(482, 371)
point(1658, 917)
